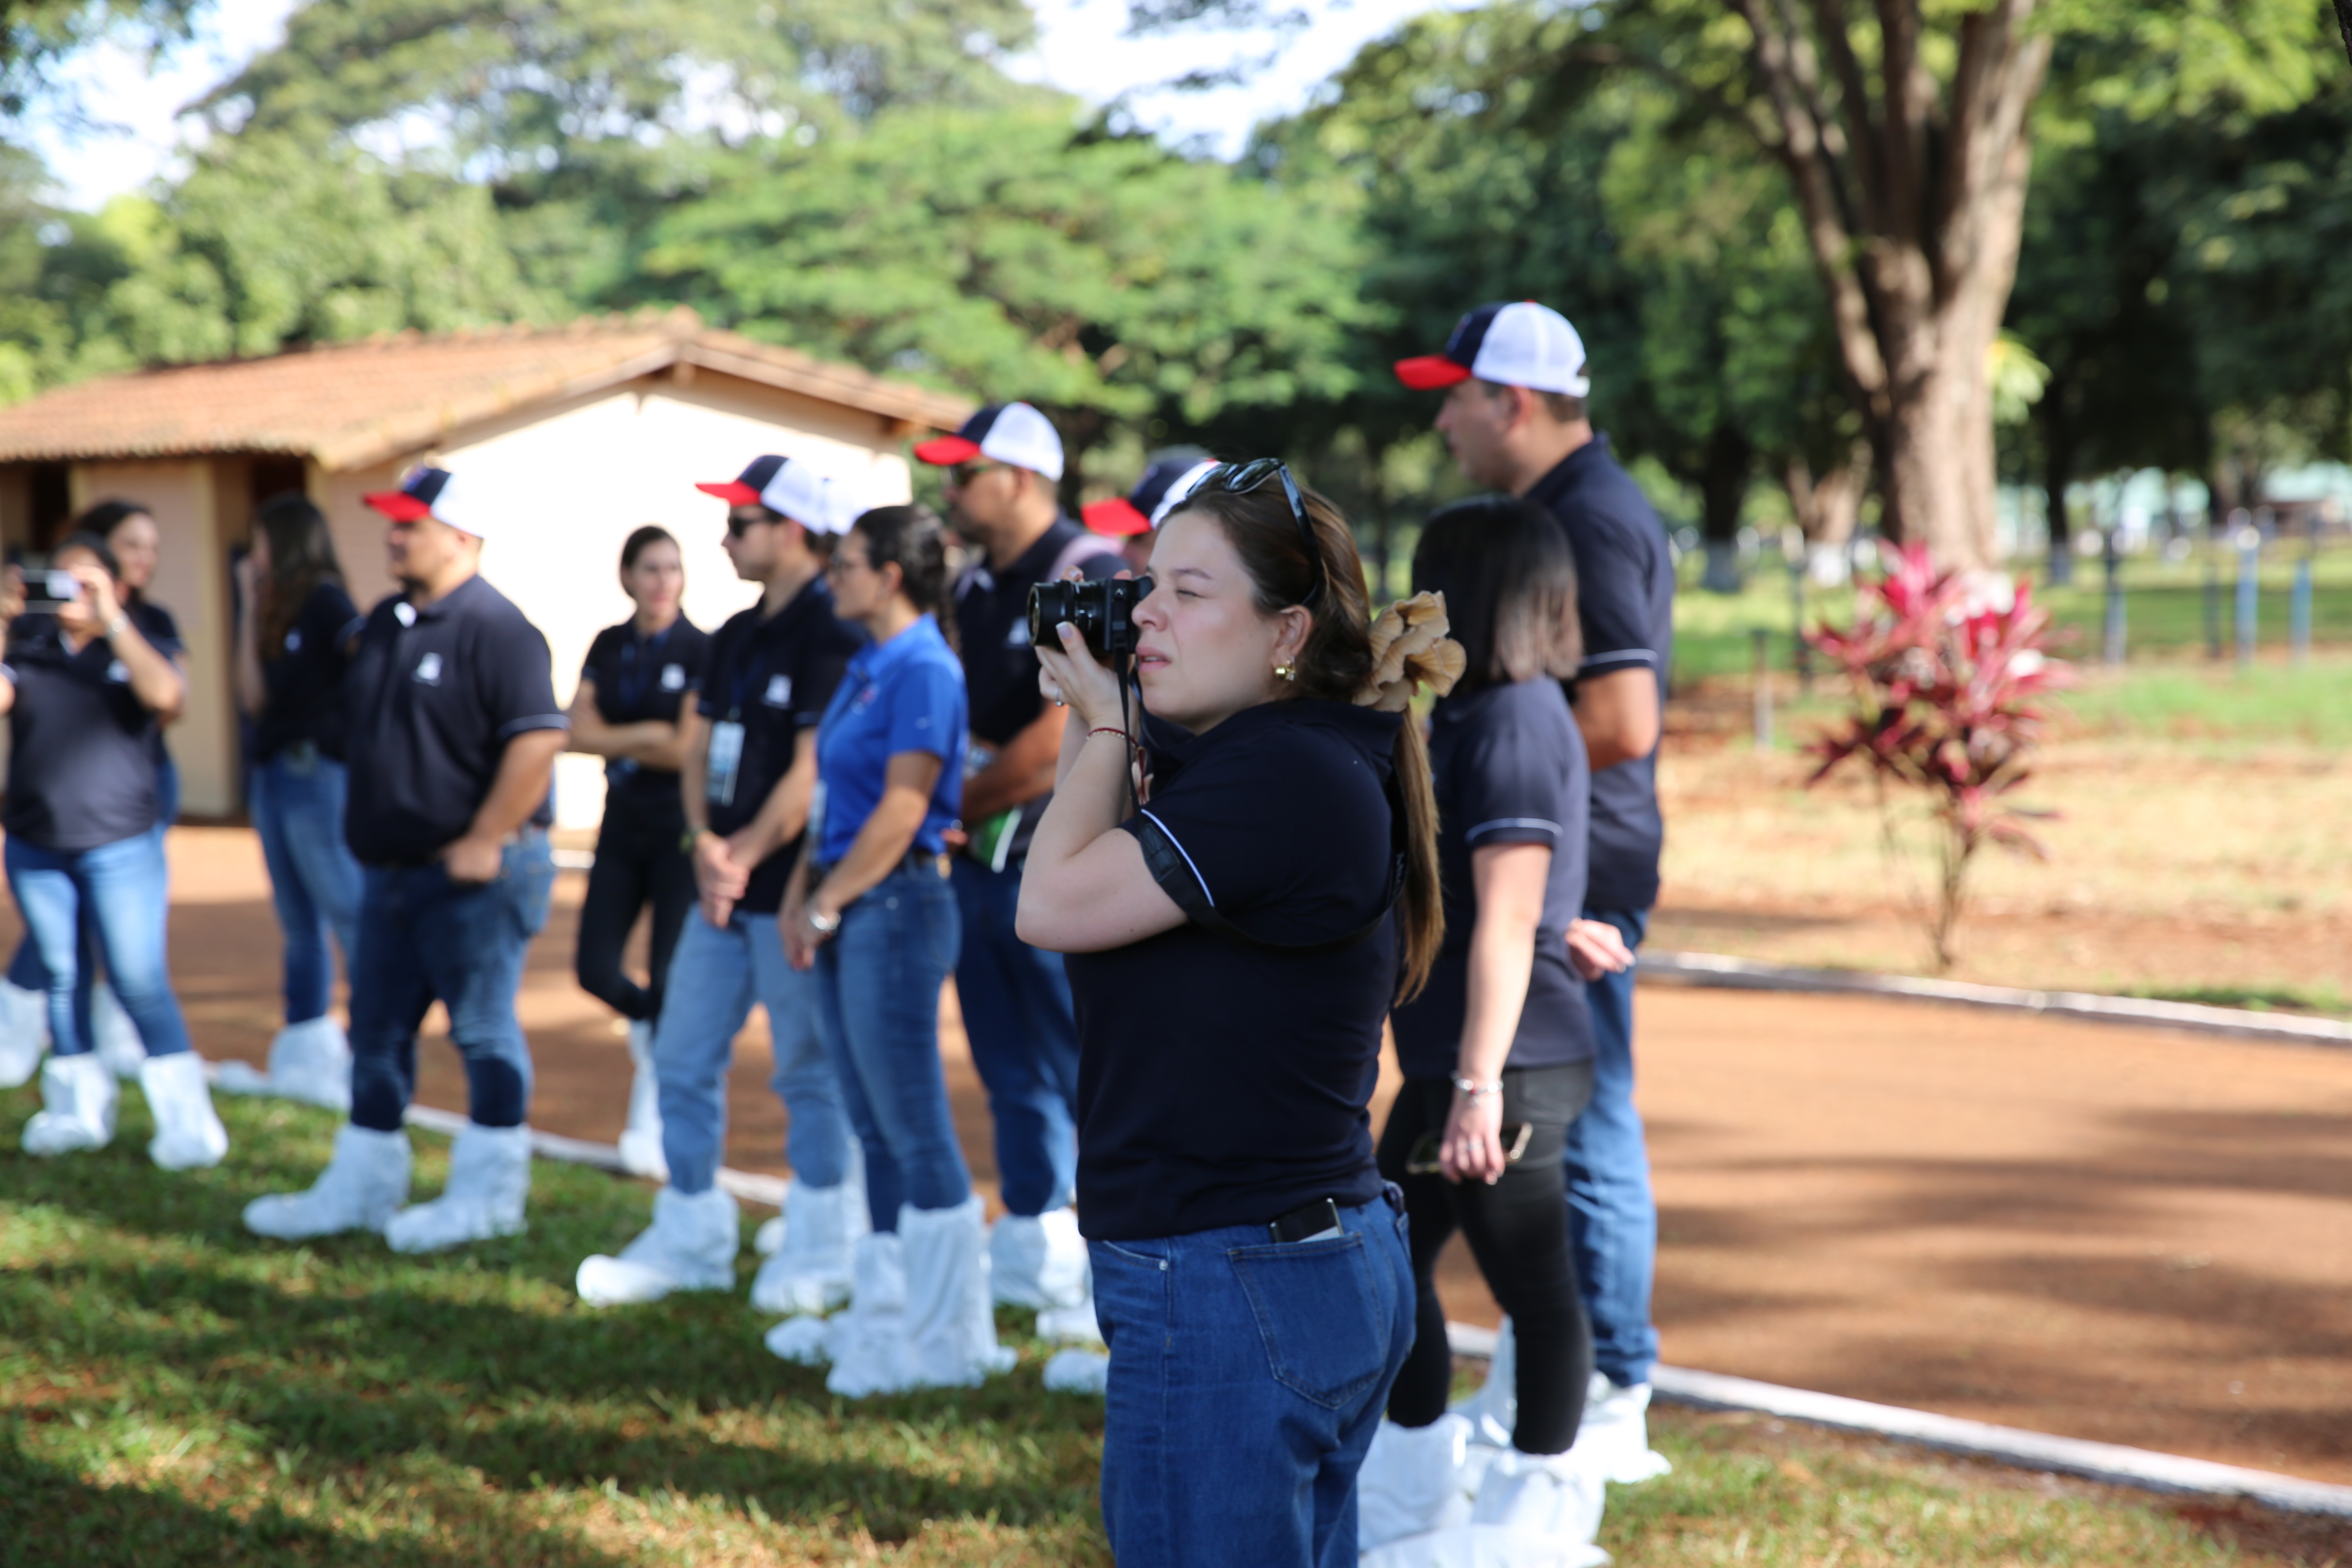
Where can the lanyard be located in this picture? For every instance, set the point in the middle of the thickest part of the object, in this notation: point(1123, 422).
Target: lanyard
point(637, 660)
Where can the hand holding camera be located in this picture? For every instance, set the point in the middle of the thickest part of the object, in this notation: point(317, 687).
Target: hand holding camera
point(1071, 620)
point(85, 604)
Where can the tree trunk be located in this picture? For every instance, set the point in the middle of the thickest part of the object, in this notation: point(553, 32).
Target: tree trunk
point(2057, 473)
point(1827, 508)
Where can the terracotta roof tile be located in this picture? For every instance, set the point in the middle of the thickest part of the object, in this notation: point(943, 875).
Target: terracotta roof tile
point(345, 405)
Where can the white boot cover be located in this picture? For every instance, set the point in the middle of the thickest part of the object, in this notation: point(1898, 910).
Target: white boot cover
point(641, 1140)
point(1072, 1324)
point(1533, 1511)
point(1614, 1438)
point(311, 1062)
point(363, 1186)
point(112, 1034)
point(489, 1178)
point(867, 1345)
point(188, 1132)
point(24, 1034)
point(690, 1246)
point(769, 1240)
point(1079, 1372)
point(950, 1315)
point(77, 1095)
point(809, 1270)
point(1493, 1411)
point(1411, 1482)
point(1038, 1261)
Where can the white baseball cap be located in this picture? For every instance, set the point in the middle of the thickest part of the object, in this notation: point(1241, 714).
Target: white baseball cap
point(428, 491)
point(1011, 433)
point(1518, 345)
point(787, 487)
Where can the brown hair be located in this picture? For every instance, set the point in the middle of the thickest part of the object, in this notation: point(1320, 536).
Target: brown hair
point(301, 556)
point(1334, 666)
point(1509, 580)
point(1561, 406)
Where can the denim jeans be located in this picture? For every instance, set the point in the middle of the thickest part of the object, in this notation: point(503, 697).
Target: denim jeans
point(1612, 1220)
point(296, 800)
point(25, 970)
point(878, 1006)
point(116, 891)
point(1246, 1380)
point(714, 977)
point(423, 937)
point(1024, 1041)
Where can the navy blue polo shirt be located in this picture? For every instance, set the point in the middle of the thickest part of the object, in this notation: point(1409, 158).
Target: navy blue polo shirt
point(644, 679)
point(434, 696)
point(157, 625)
point(906, 695)
point(81, 770)
point(1625, 602)
point(774, 678)
point(991, 611)
point(1509, 767)
point(1223, 1083)
point(302, 678)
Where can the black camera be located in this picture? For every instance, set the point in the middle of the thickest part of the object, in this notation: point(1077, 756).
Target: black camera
point(1103, 611)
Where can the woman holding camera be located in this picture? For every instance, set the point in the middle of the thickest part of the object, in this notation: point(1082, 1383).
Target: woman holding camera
point(1234, 947)
point(870, 908)
point(1498, 1050)
point(84, 692)
point(292, 652)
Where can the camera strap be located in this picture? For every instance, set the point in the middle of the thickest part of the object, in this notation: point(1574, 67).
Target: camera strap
point(1174, 873)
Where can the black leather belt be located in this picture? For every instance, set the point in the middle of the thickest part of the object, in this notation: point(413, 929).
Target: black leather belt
point(933, 861)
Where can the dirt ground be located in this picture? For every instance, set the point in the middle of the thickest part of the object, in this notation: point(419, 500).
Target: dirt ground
point(2121, 1235)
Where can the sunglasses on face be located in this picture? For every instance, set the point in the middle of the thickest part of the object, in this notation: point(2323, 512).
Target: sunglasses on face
point(841, 562)
point(740, 523)
point(962, 475)
point(1241, 479)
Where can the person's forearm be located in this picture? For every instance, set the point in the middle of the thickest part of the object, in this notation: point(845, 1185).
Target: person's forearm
point(693, 774)
point(520, 785)
point(784, 813)
point(1088, 802)
point(651, 743)
point(875, 852)
point(252, 691)
point(155, 680)
point(1502, 960)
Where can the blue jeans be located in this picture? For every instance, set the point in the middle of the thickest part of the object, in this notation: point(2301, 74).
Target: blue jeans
point(116, 891)
point(296, 801)
point(25, 971)
point(423, 937)
point(1612, 1220)
point(1246, 1380)
point(714, 977)
point(878, 1006)
point(1024, 1041)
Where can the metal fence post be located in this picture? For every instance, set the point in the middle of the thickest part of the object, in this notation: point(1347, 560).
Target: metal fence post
point(1763, 689)
point(2115, 639)
point(2299, 608)
point(2249, 562)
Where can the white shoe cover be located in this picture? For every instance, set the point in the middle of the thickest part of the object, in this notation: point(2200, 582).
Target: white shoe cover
point(641, 1140)
point(113, 1036)
point(867, 1345)
point(769, 1240)
point(1038, 1261)
point(1072, 1323)
point(1079, 1372)
point(310, 1061)
point(810, 1269)
point(188, 1132)
point(1412, 1481)
point(24, 1034)
point(363, 1186)
point(690, 1246)
point(489, 1179)
point(801, 1339)
point(1549, 1499)
point(1493, 1411)
point(78, 1096)
point(1614, 1439)
point(950, 1317)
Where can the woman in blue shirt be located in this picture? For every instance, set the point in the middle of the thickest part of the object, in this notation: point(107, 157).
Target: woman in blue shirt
point(870, 907)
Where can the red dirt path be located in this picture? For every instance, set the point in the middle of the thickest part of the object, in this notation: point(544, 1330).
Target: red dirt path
point(2121, 1235)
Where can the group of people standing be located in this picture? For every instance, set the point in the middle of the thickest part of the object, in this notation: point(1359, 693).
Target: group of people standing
point(1183, 895)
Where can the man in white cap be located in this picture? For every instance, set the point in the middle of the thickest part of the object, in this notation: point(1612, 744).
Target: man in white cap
point(747, 788)
point(454, 731)
point(1516, 384)
point(1003, 467)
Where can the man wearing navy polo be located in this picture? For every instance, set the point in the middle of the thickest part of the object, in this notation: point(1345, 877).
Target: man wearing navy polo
point(453, 734)
point(1515, 418)
point(1002, 468)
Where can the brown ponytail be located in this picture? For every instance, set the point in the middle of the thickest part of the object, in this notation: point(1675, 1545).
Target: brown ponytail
point(1334, 664)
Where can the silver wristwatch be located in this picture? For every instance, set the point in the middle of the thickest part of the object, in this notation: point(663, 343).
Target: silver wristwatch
point(824, 925)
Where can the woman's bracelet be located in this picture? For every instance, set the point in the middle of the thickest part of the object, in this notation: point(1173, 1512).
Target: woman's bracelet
point(1475, 1090)
point(1110, 729)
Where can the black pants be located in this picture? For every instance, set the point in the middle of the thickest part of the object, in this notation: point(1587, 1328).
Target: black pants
point(638, 862)
point(1517, 1230)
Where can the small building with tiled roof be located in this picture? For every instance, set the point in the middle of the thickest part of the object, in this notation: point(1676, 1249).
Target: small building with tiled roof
point(607, 423)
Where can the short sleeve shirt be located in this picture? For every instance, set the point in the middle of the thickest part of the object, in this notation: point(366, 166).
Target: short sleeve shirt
point(81, 769)
point(1509, 767)
point(1220, 1083)
point(774, 676)
point(992, 610)
point(644, 679)
point(434, 695)
point(906, 695)
point(302, 678)
point(1625, 602)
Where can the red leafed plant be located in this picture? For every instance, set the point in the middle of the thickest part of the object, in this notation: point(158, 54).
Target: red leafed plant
point(1948, 669)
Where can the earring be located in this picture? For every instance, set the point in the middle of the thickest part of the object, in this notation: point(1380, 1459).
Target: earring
point(1287, 671)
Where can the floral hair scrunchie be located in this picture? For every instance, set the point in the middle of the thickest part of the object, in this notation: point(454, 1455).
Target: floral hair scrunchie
point(1411, 650)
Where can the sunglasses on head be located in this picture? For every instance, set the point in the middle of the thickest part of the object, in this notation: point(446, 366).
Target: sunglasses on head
point(1241, 479)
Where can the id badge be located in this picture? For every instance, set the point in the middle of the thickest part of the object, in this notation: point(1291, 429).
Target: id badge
point(725, 759)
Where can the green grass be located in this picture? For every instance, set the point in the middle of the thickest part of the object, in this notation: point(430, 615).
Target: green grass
point(173, 1391)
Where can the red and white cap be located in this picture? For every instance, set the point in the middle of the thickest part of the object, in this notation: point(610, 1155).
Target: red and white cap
point(433, 492)
point(1518, 345)
point(786, 488)
point(1164, 484)
point(1011, 433)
